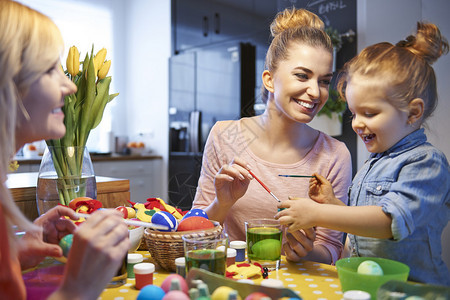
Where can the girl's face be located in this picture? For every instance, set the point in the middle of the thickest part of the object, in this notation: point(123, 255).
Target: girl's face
point(300, 83)
point(378, 123)
point(43, 103)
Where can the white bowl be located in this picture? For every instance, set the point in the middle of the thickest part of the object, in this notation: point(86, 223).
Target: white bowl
point(135, 238)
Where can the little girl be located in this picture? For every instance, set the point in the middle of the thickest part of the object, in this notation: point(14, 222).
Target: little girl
point(400, 199)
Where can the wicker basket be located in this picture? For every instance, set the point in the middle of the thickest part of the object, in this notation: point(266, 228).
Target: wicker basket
point(165, 247)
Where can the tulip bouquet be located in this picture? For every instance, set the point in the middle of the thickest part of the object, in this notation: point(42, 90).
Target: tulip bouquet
point(83, 112)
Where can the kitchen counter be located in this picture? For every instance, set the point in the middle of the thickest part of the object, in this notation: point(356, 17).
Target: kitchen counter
point(94, 158)
point(112, 192)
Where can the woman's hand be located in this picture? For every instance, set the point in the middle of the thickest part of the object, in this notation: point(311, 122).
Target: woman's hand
point(34, 246)
point(54, 224)
point(321, 190)
point(98, 250)
point(297, 244)
point(231, 182)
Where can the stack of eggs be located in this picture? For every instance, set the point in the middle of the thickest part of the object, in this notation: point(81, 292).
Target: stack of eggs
point(174, 287)
point(195, 219)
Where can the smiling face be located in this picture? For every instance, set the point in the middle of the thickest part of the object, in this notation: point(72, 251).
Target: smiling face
point(43, 103)
point(300, 83)
point(377, 122)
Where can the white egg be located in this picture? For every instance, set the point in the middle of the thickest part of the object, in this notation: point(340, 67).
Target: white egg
point(369, 267)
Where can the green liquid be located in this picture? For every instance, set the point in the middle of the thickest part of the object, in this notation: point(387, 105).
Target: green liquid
point(207, 259)
point(264, 244)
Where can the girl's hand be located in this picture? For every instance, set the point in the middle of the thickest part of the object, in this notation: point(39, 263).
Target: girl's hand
point(34, 246)
point(298, 244)
point(298, 213)
point(231, 182)
point(321, 190)
point(98, 250)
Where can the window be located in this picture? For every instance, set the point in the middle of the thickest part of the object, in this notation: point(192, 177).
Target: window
point(84, 23)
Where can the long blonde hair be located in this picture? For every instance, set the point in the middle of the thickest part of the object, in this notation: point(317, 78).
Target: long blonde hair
point(29, 43)
point(404, 69)
point(294, 26)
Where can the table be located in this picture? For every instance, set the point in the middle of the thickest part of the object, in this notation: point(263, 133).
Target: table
point(112, 192)
point(309, 280)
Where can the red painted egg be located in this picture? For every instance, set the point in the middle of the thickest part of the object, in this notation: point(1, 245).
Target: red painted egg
point(195, 223)
point(256, 296)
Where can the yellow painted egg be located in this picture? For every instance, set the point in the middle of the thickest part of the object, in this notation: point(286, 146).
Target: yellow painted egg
point(223, 293)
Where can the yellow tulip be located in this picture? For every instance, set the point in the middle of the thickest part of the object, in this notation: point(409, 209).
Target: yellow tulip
point(73, 61)
point(99, 58)
point(104, 70)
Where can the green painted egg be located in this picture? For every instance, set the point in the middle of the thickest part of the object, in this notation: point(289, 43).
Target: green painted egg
point(370, 267)
point(66, 243)
point(268, 249)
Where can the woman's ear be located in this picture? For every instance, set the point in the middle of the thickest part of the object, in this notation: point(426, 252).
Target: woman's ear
point(416, 109)
point(267, 80)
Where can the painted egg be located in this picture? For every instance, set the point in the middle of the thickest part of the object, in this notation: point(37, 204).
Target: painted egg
point(176, 295)
point(151, 292)
point(256, 296)
point(195, 212)
point(270, 249)
point(223, 293)
point(369, 267)
point(66, 243)
point(166, 219)
point(195, 223)
point(177, 281)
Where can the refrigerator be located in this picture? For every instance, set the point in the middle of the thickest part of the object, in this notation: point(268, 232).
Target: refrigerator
point(206, 85)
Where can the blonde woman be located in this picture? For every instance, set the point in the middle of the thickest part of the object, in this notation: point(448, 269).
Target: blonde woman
point(296, 81)
point(32, 90)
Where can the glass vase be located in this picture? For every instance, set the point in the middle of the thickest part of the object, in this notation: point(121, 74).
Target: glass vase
point(65, 173)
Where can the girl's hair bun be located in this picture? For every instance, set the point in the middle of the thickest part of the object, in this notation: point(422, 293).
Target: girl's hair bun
point(293, 17)
point(427, 43)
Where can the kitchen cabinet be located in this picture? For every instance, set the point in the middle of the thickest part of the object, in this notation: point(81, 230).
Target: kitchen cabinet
point(144, 175)
point(198, 23)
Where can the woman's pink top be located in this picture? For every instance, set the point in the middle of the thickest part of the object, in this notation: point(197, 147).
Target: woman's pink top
point(329, 157)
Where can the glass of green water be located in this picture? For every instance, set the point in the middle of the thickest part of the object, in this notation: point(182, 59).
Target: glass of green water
point(208, 253)
point(264, 242)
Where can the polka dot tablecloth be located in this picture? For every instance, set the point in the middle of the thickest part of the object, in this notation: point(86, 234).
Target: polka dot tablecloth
point(307, 279)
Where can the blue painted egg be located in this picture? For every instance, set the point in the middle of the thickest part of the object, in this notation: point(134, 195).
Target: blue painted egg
point(166, 219)
point(195, 212)
point(66, 243)
point(151, 292)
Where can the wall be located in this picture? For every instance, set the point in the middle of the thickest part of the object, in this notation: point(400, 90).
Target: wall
point(386, 20)
point(144, 42)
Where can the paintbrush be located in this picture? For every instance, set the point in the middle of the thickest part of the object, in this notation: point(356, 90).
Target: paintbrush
point(131, 222)
point(264, 186)
point(298, 176)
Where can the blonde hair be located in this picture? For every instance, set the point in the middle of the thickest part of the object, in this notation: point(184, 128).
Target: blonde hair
point(404, 69)
point(29, 44)
point(294, 26)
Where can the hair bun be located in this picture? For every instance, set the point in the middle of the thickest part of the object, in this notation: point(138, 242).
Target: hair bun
point(293, 17)
point(427, 43)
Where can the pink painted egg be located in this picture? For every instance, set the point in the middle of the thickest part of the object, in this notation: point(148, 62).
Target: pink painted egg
point(175, 277)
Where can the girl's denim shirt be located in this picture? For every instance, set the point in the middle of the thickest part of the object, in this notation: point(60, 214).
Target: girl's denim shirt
point(411, 182)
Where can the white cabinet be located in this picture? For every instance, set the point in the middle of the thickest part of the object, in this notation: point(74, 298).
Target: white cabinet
point(144, 175)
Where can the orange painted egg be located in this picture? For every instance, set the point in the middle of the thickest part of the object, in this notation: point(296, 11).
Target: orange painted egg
point(195, 223)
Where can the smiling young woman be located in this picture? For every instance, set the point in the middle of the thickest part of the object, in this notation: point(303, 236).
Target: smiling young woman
point(296, 78)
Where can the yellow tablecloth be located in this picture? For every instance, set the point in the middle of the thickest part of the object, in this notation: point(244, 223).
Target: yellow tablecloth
point(309, 280)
